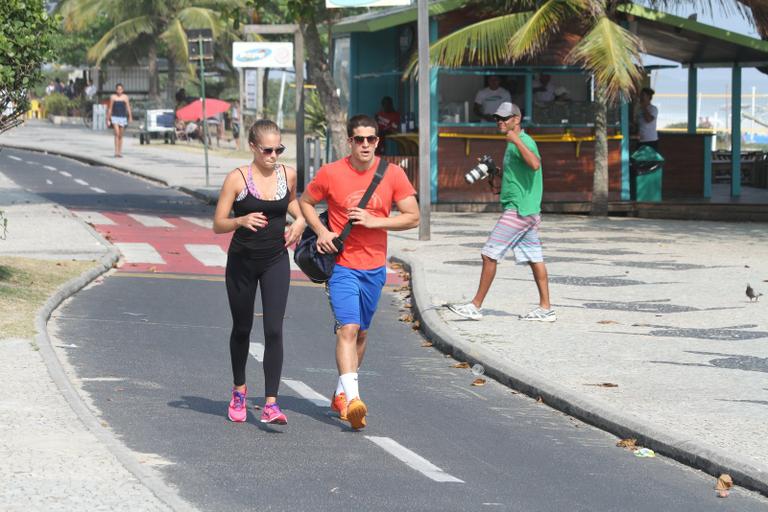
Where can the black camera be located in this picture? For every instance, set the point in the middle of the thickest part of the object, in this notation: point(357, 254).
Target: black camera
point(485, 167)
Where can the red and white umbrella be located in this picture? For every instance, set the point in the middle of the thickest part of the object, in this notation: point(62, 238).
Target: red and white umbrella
point(194, 110)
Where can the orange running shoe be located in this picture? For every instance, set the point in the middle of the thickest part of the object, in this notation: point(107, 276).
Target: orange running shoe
point(339, 404)
point(356, 411)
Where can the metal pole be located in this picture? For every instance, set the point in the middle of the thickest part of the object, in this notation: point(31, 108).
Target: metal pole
point(298, 45)
point(241, 137)
point(205, 119)
point(425, 194)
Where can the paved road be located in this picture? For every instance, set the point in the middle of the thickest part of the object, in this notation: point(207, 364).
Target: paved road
point(151, 352)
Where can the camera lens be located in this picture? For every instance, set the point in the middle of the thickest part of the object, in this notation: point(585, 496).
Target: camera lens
point(479, 172)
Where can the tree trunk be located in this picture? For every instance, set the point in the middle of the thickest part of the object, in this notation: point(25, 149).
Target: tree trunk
point(320, 71)
point(154, 95)
point(600, 181)
point(171, 85)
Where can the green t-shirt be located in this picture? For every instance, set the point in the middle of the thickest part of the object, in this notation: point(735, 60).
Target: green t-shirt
point(521, 186)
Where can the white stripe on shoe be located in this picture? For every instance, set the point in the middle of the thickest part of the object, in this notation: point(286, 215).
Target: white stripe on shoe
point(413, 459)
point(139, 253)
point(151, 221)
point(210, 255)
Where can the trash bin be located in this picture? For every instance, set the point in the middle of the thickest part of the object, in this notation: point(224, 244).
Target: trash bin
point(645, 174)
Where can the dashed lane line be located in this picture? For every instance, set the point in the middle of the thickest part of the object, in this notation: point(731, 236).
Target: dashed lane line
point(202, 222)
point(65, 174)
point(210, 255)
point(139, 252)
point(95, 218)
point(82, 182)
point(257, 351)
point(151, 221)
point(413, 459)
point(50, 168)
point(14, 158)
point(307, 392)
point(98, 190)
point(48, 182)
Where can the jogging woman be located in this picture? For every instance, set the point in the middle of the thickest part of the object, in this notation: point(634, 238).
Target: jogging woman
point(260, 193)
point(118, 116)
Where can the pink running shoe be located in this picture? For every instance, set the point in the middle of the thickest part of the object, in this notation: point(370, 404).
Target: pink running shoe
point(238, 410)
point(272, 414)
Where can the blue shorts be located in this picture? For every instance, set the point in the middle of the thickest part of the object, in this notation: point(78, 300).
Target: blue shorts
point(354, 295)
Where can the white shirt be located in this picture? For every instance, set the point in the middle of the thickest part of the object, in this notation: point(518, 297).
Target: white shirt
point(545, 96)
point(90, 91)
point(646, 130)
point(490, 100)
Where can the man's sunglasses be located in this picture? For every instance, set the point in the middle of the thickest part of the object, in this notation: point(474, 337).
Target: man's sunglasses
point(502, 119)
point(359, 139)
point(279, 150)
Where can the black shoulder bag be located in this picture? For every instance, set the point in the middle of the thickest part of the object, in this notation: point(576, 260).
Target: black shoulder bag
point(318, 267)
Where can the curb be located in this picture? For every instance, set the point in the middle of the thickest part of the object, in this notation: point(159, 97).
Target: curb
point(673, 445)
point(144, 475)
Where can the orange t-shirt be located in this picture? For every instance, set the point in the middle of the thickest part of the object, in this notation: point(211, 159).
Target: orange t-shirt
point(342, 187)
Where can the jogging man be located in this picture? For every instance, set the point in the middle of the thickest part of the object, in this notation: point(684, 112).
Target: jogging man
point(360, 273)
point(517, 229)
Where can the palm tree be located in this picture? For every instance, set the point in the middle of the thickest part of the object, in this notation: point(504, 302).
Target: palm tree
point(606, 49)
point(148, 22)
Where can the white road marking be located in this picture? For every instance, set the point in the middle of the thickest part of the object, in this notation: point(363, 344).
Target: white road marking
point(210, 255)
point(49, 182)
point(30, 162)
point(99, 190)
point(14, 158)
point(413, 459)
point(257, 351)
point(50, 167)
point(202, 222)
point(95, 218)
point(82, 182)
point(307, 392)
point(139, 253)
point(151, 221)
point(65, 174)
point(102, 379)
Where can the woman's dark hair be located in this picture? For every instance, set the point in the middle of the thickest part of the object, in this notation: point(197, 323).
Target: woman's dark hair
point(119, 84)
point(261, 127)
point(361, 120)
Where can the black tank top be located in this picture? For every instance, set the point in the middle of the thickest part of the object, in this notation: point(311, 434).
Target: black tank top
point(119, 108)
point(268, 243)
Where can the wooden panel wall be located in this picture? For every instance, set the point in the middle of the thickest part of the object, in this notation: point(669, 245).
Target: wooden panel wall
point(683, 167)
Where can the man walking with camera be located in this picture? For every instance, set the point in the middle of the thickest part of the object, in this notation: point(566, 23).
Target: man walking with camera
point(517, 229)
point(360, 272)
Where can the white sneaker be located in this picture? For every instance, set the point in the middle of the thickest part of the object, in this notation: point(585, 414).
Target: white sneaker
point(540, 315)
point(467, 310)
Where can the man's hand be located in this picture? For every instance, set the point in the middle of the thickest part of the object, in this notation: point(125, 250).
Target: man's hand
point(294, 232)
point(253, 221)
point(361, 217)
point(513, 137)
point(325, 243)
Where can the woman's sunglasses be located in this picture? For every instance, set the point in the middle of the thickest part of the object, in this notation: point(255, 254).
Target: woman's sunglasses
point(359, 139)
point(268, 151)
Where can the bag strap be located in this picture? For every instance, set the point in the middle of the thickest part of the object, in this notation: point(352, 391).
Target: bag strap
point(381, 169)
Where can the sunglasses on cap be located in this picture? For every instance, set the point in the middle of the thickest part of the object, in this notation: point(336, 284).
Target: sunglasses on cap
point(268, 151)
point(359, 139)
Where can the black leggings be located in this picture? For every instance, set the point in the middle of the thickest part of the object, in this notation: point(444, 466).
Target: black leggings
point(243, 276)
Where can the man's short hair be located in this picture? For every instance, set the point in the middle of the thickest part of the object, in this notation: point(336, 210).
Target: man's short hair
point(647, 90)
point(361, 120)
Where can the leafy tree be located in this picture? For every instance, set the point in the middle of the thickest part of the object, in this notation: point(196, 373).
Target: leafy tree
point(606, 49)
point(149, 23)
point(26, 41)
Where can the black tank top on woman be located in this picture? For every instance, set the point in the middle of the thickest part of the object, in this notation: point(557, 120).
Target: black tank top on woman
point(268, 243)
point(119, 108)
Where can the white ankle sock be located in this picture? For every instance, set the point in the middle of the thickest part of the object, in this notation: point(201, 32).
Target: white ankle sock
point(339, 387)
point(349, 383)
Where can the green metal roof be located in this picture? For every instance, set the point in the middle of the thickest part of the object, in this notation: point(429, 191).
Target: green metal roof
point(690, 42)
point(387, 18)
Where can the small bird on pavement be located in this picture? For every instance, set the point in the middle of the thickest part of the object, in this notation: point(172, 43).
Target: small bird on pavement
point(752, 294)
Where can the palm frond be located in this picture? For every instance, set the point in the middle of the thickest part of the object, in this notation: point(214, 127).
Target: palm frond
point(79, 14)
point(612, 54)
point(200, 17)
point(545, 21)
point(121, 34)
point(485, 41)
point(175, 38)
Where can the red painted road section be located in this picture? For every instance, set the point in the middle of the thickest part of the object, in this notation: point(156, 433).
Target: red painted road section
point(170, 244)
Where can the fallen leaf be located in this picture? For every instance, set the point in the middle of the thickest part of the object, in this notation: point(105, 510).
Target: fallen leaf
point(723, 485)
point(604, 385)
point(478, 382)
point(514, 392)
point(406, 318)
point(629, 444)
point(539, 400)
point(426, 344)
point(153, 269)
point(255, 406)
point(409, 305)
point(607, 322)
point(395, 266)
point(406, 276)
point(461, 365)
point(416, 325)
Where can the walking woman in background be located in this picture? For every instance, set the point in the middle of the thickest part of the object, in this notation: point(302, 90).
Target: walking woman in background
point(118, 116)
point(260, 193)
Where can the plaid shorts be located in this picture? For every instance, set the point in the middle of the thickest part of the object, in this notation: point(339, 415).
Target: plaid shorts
point(521, 234)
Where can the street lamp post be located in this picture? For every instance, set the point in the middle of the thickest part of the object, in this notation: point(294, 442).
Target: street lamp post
point(425, 136)
point(200, 49)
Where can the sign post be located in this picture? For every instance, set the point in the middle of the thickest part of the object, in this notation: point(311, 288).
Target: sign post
point(425, 167)
point(200, 50)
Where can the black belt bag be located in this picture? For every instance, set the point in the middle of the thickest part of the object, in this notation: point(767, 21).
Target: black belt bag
point(318, 267)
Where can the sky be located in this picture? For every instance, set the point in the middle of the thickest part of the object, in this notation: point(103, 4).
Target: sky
point(711, 81)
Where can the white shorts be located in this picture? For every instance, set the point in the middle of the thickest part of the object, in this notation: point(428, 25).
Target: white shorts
point(119, 121)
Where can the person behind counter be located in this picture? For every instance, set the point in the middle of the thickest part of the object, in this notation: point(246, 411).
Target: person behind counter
point(387, 120)
point(544, 89)
point(647, 114)
point(488, 99)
